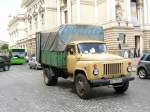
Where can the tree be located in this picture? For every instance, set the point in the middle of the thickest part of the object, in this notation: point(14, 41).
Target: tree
point(4, 46)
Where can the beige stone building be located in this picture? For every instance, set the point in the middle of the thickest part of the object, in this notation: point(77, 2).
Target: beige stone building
point(17, 31)
point(126, 22)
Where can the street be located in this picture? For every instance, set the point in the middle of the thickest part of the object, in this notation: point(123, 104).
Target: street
point(23, 90)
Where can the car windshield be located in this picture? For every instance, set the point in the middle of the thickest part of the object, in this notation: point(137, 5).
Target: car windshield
point(91, 48)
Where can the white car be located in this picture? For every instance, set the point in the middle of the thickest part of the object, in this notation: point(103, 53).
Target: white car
point(34, 64)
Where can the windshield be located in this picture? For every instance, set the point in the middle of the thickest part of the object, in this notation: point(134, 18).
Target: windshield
point(91, 48)
point(18, 54)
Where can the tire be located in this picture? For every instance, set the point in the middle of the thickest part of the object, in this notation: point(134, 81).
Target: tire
point(6, 68)
point(36, 68)
point(121, 88)
point(82, 86)
point(49, 77)
point(142, 73)
point(30, 66)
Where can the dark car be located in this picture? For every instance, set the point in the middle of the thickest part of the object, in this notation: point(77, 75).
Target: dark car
point(4, 63)
point(143, 69)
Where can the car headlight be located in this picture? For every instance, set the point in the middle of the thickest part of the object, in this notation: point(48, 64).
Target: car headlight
point(95, 71)
point(129, 69)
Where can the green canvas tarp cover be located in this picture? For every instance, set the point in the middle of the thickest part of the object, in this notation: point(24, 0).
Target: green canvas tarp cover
point(57, 39)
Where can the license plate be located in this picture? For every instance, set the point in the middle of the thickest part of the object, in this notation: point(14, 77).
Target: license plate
point(117, 80)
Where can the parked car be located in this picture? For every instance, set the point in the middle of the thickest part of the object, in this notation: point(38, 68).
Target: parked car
point(34, 64)
point(143, 69)
point(4, 63)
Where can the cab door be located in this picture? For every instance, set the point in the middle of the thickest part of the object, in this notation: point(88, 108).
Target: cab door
point(71, 58)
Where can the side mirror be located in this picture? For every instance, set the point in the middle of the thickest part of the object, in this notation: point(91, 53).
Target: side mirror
point(71, 51)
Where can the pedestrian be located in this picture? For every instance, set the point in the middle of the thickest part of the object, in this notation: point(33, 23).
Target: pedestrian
point(138, 52)
point(129, 53)
point(132, 53)
point(126, 54)
point(135, 53)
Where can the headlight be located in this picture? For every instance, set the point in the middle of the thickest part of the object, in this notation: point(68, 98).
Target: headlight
point(129, 69)
point(95, 71)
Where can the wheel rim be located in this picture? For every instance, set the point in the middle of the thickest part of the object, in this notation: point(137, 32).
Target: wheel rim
point(142, 73)
point(80, 87)
point(6, 67)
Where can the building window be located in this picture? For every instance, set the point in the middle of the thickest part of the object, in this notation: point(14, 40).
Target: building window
point(36, 23)
point(42, 19)
point(30, 24)
point(122, 38)
point(66, 16)
point(134, 13)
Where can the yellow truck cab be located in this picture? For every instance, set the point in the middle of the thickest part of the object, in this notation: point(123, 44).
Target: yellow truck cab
point(86, 61)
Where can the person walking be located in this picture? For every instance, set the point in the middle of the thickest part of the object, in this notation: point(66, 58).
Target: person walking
point(135, 53)
point(126, 55)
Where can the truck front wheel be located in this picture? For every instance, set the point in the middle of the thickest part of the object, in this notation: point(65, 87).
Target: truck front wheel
point(49, 77)
point(82, 86)
point(121, 88)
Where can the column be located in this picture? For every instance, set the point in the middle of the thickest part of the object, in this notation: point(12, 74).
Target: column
point(39, 22)
point(140, 13)
point(69, 11)
point(28, 26)
point(78, 10)
point(96, 11)
point(45, 5)
point(128, 10)
point(111, 10)
point(148, 11)
point(58, 12)
point(108, 10)
point(145, 12)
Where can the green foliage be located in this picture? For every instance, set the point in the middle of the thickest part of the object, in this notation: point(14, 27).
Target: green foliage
point(4, 46)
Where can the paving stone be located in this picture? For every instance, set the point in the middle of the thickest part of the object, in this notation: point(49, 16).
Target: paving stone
point(23, 90)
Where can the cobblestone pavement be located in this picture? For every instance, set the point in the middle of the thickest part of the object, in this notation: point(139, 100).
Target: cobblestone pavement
point(22, 90)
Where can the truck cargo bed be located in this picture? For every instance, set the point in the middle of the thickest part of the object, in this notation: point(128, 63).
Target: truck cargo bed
point(53, 58)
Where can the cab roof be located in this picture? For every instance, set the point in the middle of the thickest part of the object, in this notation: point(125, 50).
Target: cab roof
point(88, 41)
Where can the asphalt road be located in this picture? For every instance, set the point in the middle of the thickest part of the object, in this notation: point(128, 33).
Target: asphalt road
point(23, 90)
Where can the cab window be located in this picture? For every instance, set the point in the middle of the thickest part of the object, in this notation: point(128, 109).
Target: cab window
point(71, 49)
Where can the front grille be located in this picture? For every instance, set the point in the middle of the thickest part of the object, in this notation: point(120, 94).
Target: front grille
point(115, 68)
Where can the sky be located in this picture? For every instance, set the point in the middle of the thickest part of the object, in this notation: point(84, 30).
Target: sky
point(7, 7)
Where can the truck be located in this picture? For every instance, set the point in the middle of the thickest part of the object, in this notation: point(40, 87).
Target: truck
point(78, 52)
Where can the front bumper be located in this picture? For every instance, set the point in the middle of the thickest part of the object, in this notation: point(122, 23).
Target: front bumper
point(105, 82)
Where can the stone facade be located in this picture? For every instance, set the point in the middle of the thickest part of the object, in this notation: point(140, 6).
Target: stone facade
point(17, 31)
point(126, 22)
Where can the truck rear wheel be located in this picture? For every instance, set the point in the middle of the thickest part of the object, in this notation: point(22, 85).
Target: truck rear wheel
point(121, 88)
point(49, 77)
point(82, 86)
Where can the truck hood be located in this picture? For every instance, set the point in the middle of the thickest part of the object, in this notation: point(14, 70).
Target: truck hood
point(99, 57)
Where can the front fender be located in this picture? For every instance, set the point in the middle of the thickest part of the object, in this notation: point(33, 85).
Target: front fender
point(86, 67)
